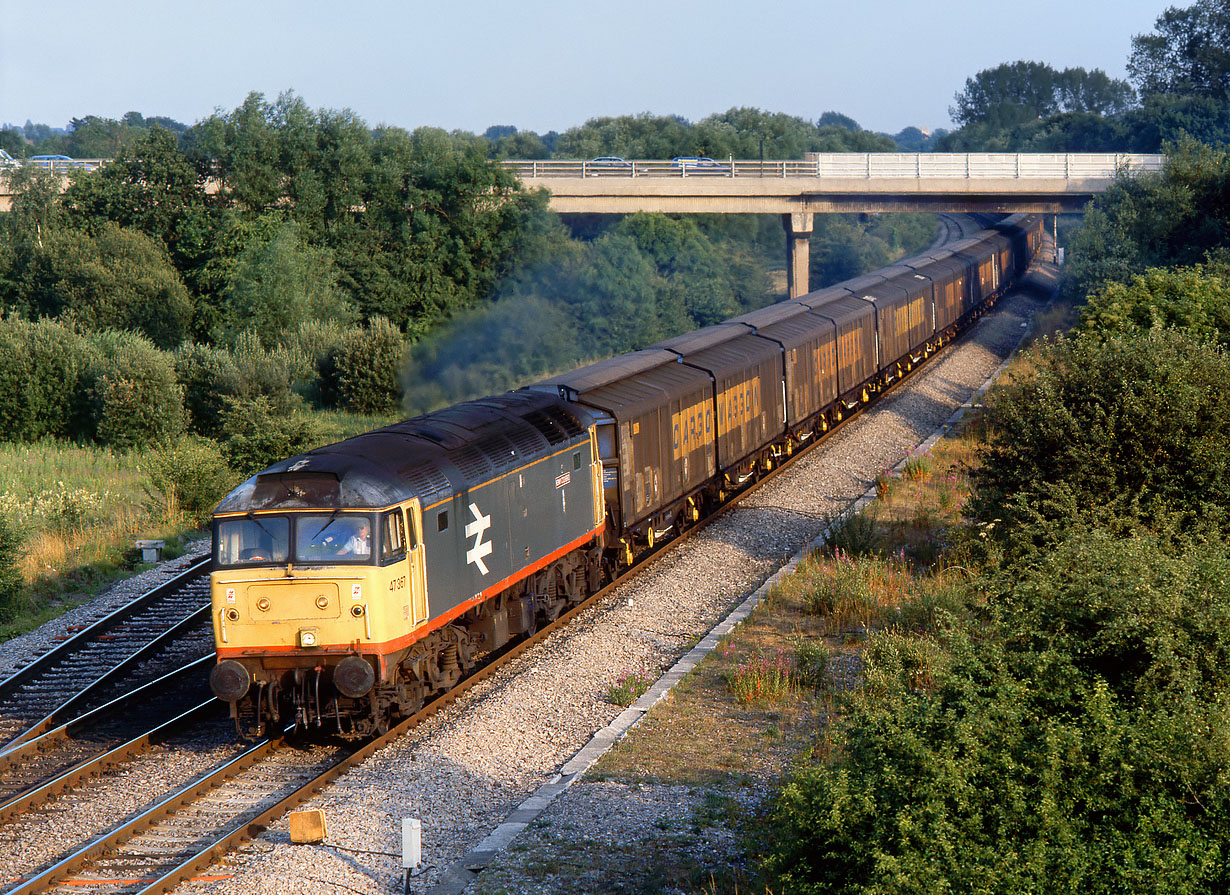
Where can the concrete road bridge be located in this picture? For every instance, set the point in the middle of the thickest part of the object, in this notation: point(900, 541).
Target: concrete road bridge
point(822, 183)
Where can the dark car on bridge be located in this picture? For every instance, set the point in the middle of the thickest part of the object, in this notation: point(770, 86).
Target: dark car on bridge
point(55, 162)
point(606, 165)
point(691, 165)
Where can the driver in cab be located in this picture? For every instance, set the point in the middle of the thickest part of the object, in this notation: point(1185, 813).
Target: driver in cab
point(359, 542)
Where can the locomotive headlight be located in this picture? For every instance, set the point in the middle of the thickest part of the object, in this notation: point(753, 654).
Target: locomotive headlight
point(356, 611)
point(262, 604)
point(322, 602)
point(307, 637)
point(232, 615)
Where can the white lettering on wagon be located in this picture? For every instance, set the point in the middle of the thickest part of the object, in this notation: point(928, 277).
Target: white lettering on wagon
point(475, 530)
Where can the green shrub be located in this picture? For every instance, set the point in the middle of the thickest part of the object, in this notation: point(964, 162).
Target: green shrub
point(855, 534)
point(1075, 743)
point(192, 476)
point(257, 435)
point(1195, 299)
point(264, 373)
point(131, 397)
point(113, 278)
point(366, 366)
point(811, 662)
point(209, 375)
point(313, 346)
point(1127, 426)
point(41, 366)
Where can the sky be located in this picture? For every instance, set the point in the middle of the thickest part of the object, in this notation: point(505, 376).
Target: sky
point(540, 65)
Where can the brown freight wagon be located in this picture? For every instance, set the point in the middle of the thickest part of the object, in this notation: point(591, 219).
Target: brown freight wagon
point(948, 278)
point(854, 326)
point(915, 318)
point(654, 430)
point(983, 264)
point(809, 349)
point(748, 392)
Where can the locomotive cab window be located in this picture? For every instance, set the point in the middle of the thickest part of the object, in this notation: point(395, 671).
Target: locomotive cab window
point(333, 538)
point(392, 537)
point(254, 540)
point(576, 460)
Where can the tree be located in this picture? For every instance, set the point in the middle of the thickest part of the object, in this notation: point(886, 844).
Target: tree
point(1125, 426)
point(1188, 53)
point(642, 136)
point(1016, 92)
point(1155, 220)
point(115, 279)
point(278, 283)
point(1094, 92)
point(836, 119)
point(1194, 299)
point(152, 187)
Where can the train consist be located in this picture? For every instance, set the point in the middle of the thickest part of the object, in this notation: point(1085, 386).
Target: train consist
point(352, 582)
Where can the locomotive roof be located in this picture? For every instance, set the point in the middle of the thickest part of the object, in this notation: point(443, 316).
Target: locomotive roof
point(429, 457)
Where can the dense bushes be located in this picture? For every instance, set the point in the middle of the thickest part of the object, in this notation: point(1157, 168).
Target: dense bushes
point(41, 366)
point(192, 476)
point(130, 395)
point(366, 366)
point(1194, 299)
point(1073, 743)
point(112, 279)
point(111, 387)
point(1134, 425)
point(256, 435)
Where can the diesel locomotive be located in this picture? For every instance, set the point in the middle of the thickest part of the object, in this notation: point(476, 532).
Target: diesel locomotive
point(352, 582)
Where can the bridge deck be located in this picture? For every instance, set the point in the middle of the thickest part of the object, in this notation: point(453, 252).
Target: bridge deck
point(829, 182)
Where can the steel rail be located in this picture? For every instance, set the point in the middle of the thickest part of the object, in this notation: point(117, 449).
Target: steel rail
point(65, 867)
point(41, 663)
point(39, 791)
point(91, 767)
point(64, 709)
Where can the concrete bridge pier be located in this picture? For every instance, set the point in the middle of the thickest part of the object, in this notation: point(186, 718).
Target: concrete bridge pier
point(798, 226)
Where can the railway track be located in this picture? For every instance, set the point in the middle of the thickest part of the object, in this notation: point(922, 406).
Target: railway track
point(133, 645)
point(183, 834)
point(65, 757)
point(111, 691)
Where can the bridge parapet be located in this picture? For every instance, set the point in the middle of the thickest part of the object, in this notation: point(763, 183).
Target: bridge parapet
point(918, 165)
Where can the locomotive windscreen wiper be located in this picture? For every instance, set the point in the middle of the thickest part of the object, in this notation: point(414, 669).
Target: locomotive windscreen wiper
point(328, 522)
point(257, 522)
